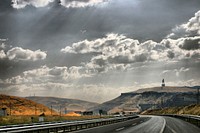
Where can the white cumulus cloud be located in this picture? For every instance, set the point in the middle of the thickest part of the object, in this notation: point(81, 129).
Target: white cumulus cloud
point(23, 3)
point(2, 54)
point(191, 28)
point(18, 53)
point(118, 50)
point(45, 74)
point(66, 3)
point(80, 3)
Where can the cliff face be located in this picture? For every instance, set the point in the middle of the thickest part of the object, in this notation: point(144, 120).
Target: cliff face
point(143, 99)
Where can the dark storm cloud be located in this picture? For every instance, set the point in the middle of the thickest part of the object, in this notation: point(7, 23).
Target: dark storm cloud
point(170, 54)
point(66, 3)
point(15, 60)
point(190, 43)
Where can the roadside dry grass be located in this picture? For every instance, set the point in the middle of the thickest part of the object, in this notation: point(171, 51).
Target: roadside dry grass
point(22, 119)
point(191, 109)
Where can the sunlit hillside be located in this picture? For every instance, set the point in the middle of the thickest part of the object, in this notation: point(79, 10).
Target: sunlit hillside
point(21, 106)
point(65, 104)
point(155, 97)
point(191, 109)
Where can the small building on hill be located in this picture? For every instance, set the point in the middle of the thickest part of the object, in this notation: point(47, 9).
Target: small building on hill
point(3, 112)
point(88, 113)
point(41, 117)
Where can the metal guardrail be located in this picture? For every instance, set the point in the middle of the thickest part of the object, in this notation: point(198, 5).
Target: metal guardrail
point(64, 126)
point(193, 119)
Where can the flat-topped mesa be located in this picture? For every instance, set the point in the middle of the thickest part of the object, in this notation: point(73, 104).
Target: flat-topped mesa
point(166, 89)
point(172, 89)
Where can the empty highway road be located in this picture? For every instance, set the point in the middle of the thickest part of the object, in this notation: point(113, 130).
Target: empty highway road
point(146, 124)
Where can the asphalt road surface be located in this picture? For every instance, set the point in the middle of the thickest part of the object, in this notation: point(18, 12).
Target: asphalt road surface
point(174, 125)
point(146, 124)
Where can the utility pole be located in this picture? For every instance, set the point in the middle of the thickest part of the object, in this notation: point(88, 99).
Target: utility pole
point(2, 104)
point(197, 95)
point(35, 110)
point(60, 110)
point(10, 105)
point(65, 110)
point(51, 109)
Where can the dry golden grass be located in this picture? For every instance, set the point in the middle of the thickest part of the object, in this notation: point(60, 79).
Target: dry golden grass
point(22, 110)
point(191, 109)
point(23, 119)
point(21, 106)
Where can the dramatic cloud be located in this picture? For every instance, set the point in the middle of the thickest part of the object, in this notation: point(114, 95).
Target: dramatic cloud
point(36, 3)
point(95, 47)
point(66, 3)
point(183, 48)
point(119, 51)
point(18, 53)
point(45, 74)
point(191, 28)
point(2, 46)
point(189, 43)
point(177, 72)
point(2, 54)
point(2, 43)
point(80, 3)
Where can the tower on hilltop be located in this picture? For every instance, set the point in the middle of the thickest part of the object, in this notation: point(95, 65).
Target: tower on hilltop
point(163, 83)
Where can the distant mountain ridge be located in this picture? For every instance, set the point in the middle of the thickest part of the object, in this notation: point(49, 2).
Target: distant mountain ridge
point(155, 97)
point(64, 104)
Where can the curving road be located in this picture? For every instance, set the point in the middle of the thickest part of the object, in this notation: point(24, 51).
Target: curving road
point(174, 125)
point(146, 124)
point(155, 124)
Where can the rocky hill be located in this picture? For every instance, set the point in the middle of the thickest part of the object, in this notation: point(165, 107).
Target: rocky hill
point(156, 97)
point(64, 103)
point(193, 109)
point(173, 89)
point(21, 106)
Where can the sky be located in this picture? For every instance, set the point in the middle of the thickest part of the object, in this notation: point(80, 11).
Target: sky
point(96, 49)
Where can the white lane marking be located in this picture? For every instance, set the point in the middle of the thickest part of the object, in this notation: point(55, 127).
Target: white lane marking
point(171, 129)
point(134, 124)
point(119, 129)
point(164, 125)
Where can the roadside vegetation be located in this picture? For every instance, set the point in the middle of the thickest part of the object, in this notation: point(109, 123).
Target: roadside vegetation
point(23, 119)
point(191, 109)
point(23, 111)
